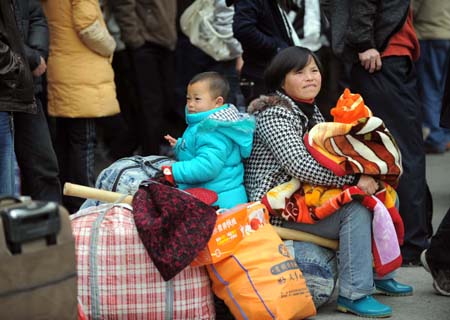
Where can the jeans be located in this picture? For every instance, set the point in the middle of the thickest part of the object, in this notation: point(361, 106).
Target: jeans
point(318, 266)
point(352, 226)
point(36, 157)
point(6, 155)
point(432, 69)
point(75, 148)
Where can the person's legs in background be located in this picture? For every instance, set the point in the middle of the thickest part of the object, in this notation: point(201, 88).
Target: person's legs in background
point(150, 62)
point(436, 259)
point(228, 70)
point(251, 88)
point(189, 61)
point(75, 148)
point(36, 157)
point(6, 155)
point(391, 94)
point(333, 70)
point(118, 133)
point(173, 120)
point(432, 69)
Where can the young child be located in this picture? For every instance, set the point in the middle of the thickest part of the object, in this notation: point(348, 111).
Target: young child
point(217, 139)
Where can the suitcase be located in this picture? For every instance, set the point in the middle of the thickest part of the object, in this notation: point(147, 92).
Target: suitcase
point(37, 261)
point(117, 278)
point(125, 175)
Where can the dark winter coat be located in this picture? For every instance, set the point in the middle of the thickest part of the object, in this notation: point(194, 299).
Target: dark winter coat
point(142, 21)
point(16, 81)
point(34, 28)
point(259, 27)
point(358, 25)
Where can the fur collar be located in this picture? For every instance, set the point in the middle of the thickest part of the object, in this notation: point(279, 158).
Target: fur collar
point(263, 102)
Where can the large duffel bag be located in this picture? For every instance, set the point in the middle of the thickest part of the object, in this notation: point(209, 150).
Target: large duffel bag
point(125, 175)
point(118, 280)
point(37, 261)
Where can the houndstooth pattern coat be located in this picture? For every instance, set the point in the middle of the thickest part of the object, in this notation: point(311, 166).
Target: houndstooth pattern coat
point(279, 152)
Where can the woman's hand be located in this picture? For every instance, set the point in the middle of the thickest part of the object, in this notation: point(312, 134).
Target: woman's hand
point(367, 184)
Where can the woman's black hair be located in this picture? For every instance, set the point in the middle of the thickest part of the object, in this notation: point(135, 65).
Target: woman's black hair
point(288, 59)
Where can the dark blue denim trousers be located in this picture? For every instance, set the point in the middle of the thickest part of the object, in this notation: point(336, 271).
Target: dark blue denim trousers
point(432, 68)
point(36, 157)
point(75, 149)
point(6, 155)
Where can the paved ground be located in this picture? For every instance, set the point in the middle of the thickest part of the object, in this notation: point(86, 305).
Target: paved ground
point(424, 304)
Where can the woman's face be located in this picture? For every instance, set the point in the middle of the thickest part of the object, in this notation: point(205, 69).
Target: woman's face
point(303, 84)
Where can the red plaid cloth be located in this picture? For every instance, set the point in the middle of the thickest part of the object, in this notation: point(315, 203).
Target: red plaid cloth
point(119, 280)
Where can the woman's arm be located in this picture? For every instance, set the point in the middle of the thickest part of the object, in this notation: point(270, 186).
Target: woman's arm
point(277, 130)
point(91, 28)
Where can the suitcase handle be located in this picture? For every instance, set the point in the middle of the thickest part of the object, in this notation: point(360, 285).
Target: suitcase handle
point(30, 221)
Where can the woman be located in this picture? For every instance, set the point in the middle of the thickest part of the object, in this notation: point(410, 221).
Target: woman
point(80, 86)
point(282, 118)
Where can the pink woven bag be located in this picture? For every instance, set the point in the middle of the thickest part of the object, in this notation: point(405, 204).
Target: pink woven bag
point(118, 280)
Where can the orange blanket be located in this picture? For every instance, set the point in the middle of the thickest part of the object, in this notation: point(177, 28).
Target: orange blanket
point(356, 142)
point(308, 204)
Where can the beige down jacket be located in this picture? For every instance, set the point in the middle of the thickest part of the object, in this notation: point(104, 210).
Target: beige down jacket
point(80, 76)
point(432, 19)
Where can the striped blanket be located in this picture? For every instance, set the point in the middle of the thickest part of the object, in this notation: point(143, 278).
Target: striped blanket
point(364, 146)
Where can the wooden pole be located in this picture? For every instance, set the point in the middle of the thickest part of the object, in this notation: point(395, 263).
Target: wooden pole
point(76, 190)
point(79, 191)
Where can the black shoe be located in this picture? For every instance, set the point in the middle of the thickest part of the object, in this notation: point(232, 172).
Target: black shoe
point(441, 278)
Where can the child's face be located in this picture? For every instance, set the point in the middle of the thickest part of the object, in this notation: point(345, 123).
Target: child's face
point(303, 84)
point(199, 98)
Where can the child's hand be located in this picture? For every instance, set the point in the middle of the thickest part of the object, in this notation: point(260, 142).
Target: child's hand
point(172, 141)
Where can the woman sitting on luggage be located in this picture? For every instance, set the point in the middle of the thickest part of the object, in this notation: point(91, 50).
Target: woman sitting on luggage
point(279, 154)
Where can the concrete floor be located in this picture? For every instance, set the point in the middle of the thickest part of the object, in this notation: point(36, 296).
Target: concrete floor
point(424, 304)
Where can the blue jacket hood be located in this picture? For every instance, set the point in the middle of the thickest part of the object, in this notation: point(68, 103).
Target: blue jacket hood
point(227, 120)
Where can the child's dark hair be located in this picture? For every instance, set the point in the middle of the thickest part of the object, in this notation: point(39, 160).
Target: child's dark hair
point(218, 84)
point(292, 58)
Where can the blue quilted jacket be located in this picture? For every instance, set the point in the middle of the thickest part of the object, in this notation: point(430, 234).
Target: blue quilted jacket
point(210, 153)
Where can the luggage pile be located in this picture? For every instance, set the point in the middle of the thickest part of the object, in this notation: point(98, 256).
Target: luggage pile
point(164, 260)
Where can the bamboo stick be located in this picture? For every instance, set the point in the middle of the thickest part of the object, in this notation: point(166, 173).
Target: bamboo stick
point(79, 191)
point(76, 190)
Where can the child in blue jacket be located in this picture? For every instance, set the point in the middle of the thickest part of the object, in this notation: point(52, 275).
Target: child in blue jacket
point(210, 152)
